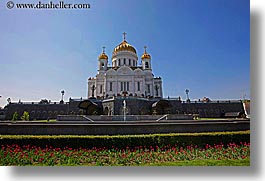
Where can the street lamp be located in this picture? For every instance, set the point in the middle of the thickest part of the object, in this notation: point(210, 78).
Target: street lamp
point(62, 92)
point(187, 93)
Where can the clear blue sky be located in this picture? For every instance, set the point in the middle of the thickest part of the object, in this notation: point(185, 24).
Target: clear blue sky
point(200, 45)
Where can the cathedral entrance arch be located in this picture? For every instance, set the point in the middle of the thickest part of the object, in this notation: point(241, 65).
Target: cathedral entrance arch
point(90, 107)
point(161, 107)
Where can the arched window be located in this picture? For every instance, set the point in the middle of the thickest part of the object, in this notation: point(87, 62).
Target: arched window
point(50, 114)
point(110, 86)
point(146, 65)
point(101, 89)
point(44, 115)
point(138, 86)
point(38, 115)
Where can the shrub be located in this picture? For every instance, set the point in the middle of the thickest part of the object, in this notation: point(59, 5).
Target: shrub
point(25, 116)
point(123, 141)
point(15, 116)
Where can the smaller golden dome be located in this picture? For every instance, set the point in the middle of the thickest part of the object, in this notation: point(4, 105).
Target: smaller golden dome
point(103, 56)
point(146, 55)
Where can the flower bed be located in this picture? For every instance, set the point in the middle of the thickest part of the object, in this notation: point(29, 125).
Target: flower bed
point(139, 155)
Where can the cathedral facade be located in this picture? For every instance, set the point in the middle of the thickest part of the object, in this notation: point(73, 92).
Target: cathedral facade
point(127, 86)
point(126, 76)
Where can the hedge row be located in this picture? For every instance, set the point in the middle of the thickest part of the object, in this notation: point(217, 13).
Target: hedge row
point(161, 140)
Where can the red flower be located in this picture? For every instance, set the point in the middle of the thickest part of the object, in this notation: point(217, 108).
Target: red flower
point(41, 159)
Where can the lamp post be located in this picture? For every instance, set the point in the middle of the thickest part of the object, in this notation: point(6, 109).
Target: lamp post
point(62, 92)
point(187, 93)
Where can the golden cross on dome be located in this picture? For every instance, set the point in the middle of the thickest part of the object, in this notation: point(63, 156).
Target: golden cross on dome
point(103, 49)
point(145, 49)
point(124, 36)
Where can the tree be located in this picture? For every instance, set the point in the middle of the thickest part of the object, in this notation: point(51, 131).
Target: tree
point(15, 116)
point(25, 116)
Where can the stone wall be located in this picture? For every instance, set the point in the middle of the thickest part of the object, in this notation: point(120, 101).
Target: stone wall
point(214, 109)
point(120, 129)
point(121, 117)
point(37, 111)
point(2, 114)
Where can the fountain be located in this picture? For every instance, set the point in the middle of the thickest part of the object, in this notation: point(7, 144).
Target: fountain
point(124, 110)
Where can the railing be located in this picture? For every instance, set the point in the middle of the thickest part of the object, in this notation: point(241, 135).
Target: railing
point(76, 99)
point(39, 103)
point(201, 101)
point(127, 97)
point(132, 97)
point(215, 101)
point(165, 116)
point(89, 119)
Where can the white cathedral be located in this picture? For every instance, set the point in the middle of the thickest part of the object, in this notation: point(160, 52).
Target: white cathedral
point(125, 77)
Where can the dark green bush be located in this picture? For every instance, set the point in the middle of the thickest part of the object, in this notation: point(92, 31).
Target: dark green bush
point(15, 116)
point(161, 140)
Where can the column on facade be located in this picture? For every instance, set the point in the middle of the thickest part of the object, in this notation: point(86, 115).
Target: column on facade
point(161, 93)
point(152, 87)
point(117, 86)
point(96, 88)
point(105, 90)
point(133, 84)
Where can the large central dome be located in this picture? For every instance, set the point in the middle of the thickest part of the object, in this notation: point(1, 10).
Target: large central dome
point(124, 46)
point(124, 54)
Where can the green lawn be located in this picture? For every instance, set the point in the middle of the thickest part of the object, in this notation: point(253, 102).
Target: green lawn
point(245, 162)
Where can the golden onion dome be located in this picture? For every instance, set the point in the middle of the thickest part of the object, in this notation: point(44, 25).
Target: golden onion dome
point(124, 46)
point(103, 56)
point(146, 55)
